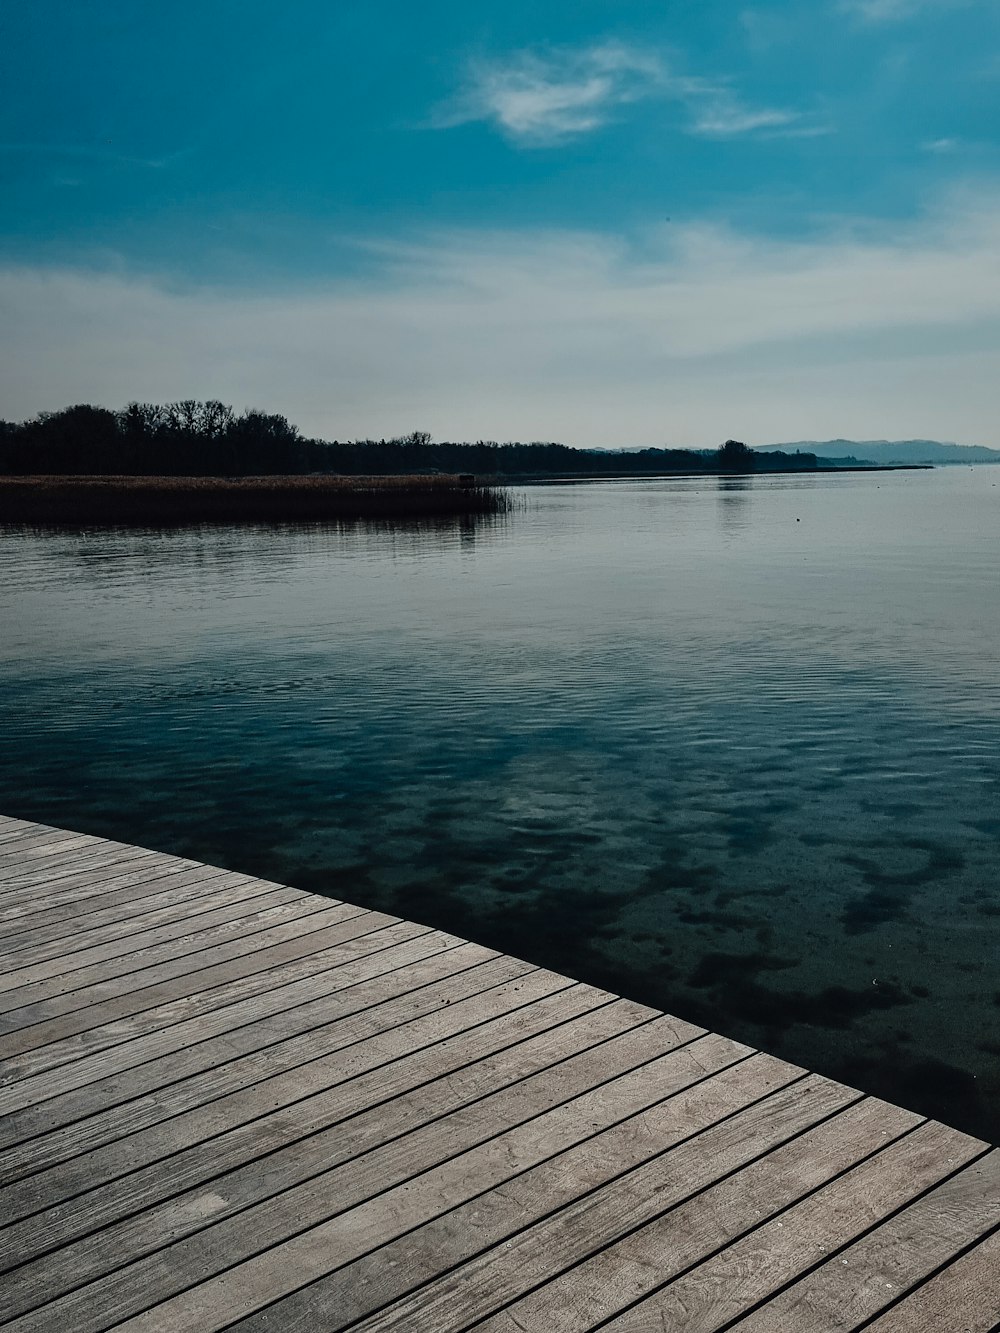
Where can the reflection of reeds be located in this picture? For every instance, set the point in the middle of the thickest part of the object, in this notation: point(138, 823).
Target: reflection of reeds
point(170, 500)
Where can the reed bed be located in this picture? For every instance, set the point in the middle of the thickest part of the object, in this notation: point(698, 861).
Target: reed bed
point(176, 500)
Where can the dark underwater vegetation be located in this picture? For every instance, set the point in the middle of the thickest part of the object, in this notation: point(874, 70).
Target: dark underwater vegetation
point(728, 746)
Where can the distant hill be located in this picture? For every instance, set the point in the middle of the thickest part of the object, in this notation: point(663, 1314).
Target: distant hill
point(889, 451)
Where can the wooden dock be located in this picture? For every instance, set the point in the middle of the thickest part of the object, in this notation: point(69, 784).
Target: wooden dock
point(229, 1104)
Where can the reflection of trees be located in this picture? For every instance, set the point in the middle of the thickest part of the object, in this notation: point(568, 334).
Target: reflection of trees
point(734, 506)
point(152, 552)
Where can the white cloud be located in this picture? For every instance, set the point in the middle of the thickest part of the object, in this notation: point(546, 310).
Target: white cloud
point(539, 100)
point(545, 99)
point(941, 145)
point(695, 334)
point(726, 117)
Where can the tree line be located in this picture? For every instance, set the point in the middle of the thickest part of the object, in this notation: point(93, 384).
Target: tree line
point(208, 438)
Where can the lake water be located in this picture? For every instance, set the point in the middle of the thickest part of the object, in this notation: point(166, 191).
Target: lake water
point(727, 746)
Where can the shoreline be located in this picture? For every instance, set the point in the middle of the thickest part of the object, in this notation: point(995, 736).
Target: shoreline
point(527, 478)
point(87, 499)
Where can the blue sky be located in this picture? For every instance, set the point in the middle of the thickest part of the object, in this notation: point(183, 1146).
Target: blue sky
point(603, 223)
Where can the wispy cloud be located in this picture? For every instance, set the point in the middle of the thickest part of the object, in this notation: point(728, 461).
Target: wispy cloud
point(865, 330)
point(894, 11)
point(723, 117)
point(941, 146)
point(541, 99)
point(96, 152)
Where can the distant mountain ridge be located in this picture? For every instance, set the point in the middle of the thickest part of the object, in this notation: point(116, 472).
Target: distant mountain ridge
point(889, 451)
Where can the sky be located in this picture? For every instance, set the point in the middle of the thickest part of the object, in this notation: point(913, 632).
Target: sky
point(625, 223)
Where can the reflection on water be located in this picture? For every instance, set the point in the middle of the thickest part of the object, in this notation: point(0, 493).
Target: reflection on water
point(727, 745)
point(734, 505)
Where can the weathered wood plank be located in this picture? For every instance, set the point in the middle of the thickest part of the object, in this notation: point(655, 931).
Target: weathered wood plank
point(32, 837)
point(241, 978)
point(125, 889)
point(22, 976)
point(225, 904)
point(49, 877)
point(177, 895)
point(364, 936)
point(964, 1297)
point(675, 1221)
point(463, 1067)
point(170, 1055)
point(848, 1290)
point(13, 824)
point(566, 1208)
point(358, 1230)
point(39, 841)
point(26, 846)
point(303, 917)
point(505, 1046)
point(70, 875)
point(74, 887)
point(113, 1142)
point(134, 1066)
point(754, 1267)
point(135, 990)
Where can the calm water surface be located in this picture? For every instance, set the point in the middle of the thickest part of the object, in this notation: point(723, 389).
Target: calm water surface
point(726, 746)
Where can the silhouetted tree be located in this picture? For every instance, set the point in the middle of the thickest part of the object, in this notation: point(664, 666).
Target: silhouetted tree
point(189, 437)
point(734, 456)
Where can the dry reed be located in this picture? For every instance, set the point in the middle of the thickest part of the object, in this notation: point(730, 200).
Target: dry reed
point(173, 500)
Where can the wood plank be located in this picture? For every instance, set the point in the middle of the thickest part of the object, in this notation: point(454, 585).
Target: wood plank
point(10, 823)
point(59, 967)
point(403, 1084)
point(124, 889)
point(365, 935)
point(724, 1286)
point(70, 882)
point(537, 1026)
point(129, 993)
point(74, 1091)
point(579, 1281)
point(177, 889)
point(190, 992)
point(27, 846)
point(563, 1210)
point(64, 955)
point(67, 955)
point(44, 844)
point(251, 1137)
point(30, 838)
point(74, 886)
point(47, 877)
point(964, 1297)
point(113, 1142)
point(303, 917)
point(10, 835)
point(846, 1291)
point(240, 1288)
